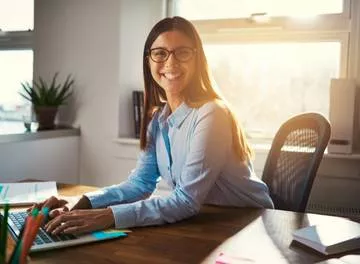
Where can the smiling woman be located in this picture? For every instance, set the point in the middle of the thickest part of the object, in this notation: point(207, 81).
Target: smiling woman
point(189, 137)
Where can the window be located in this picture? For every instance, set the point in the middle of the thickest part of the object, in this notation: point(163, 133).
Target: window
point(272, 59)
point(16, 61)
point(215, 9)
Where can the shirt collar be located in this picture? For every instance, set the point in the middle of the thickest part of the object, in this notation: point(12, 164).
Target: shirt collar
point(176, 118)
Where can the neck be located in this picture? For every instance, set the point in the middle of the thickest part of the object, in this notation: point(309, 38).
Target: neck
point(174, 101)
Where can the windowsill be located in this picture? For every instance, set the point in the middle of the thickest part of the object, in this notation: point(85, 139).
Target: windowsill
point(259, 146)
point(18, 136)
point(127, 141)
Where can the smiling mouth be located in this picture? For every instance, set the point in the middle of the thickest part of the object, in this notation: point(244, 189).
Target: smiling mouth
point(172, 76)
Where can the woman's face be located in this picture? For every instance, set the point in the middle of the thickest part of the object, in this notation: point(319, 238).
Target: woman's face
point(174, 73)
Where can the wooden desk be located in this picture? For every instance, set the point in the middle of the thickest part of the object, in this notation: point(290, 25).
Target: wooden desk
point(253, 235)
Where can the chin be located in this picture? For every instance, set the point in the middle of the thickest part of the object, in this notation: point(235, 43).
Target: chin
point(174, 90)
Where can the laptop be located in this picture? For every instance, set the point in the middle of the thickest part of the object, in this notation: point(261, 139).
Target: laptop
point(45, 241)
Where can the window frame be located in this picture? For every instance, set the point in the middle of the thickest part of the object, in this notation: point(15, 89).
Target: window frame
point(343, 28)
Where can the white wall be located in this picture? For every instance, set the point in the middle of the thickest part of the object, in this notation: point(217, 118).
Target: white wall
point(53, 159)
point(100, 43)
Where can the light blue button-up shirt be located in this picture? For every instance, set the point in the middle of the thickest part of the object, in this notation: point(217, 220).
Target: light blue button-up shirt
point(191, 149)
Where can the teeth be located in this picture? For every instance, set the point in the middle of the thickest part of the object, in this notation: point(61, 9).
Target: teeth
point(172, 76)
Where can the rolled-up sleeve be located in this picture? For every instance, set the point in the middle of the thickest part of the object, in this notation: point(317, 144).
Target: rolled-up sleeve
point(210, 146)
point(141, 182)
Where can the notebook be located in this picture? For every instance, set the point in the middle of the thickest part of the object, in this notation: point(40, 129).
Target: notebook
point(45, 241)
point(26, 193)
point(330, 238)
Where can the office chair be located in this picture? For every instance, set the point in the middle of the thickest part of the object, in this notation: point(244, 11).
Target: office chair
point(294, 159)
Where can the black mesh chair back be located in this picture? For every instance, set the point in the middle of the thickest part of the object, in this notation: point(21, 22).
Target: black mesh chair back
point(294, 159)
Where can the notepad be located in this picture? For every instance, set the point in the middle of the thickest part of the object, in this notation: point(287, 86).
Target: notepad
point(26, 193)
point(330, 238)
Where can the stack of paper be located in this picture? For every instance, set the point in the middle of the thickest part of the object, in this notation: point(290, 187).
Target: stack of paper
point(26, 193)
point(330, 239)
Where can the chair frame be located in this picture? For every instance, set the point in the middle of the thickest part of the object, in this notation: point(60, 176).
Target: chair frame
point(309, 120)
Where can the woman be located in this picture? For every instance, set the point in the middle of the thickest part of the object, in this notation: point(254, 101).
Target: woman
point(189, 137)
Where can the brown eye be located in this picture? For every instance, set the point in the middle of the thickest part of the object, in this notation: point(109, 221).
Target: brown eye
point(159, 54)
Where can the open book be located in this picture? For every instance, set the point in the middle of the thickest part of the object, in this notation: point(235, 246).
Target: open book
point(330, 238)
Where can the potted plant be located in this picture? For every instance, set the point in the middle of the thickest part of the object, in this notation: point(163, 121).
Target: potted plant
point(46, 98)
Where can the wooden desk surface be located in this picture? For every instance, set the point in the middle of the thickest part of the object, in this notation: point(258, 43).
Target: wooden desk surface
point(247, 235)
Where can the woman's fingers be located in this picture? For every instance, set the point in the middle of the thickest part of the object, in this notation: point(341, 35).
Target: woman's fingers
point(81, 221)
point(68, 224)
point(54, 202)
point(35, 205)
point(58, 211)
point(54, 223)
point(51, 203)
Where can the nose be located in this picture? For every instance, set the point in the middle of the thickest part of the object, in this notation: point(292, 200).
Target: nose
point(171, 61)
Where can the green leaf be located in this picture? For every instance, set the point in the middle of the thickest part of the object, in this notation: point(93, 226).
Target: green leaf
point(41, 93)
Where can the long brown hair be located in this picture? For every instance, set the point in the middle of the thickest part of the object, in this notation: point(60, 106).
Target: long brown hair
point(201, 90)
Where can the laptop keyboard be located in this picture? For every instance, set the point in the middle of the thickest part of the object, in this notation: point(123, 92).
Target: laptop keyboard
point(42, 237)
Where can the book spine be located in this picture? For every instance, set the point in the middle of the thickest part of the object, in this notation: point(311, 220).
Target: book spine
point(141, 104)
point(136, 114)
point(138, 108)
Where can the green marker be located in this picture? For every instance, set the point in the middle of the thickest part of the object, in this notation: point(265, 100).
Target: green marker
point(3, 238)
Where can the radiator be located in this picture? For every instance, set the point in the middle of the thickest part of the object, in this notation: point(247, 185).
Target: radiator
point(320, 208)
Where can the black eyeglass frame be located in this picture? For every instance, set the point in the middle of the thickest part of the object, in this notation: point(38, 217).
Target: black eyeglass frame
point(169, 52)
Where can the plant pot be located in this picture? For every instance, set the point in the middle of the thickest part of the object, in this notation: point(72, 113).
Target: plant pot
point(45, 115)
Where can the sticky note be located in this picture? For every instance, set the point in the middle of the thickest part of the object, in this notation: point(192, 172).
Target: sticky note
point(100, 235)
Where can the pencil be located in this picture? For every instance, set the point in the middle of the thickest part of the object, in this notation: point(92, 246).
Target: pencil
point(3, 237)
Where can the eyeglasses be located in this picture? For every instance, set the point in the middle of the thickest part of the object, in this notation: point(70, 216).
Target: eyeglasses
point(182, 54)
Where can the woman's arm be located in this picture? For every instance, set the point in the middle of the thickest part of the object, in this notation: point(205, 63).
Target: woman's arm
point(141, 182)
point(211, 145)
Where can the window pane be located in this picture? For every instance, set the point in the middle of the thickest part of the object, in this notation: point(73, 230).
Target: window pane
point(268, 83)
point(16, 66)
point(16, 15)
point(214, 9)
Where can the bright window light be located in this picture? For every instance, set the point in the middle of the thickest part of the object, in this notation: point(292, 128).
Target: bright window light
point(215, 9)
point(266, 83)
point(16, 15)
point(16, 66)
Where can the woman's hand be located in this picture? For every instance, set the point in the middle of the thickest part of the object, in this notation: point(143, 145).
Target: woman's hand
point(59, 206)
point(56, 206)
point(81, 221)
